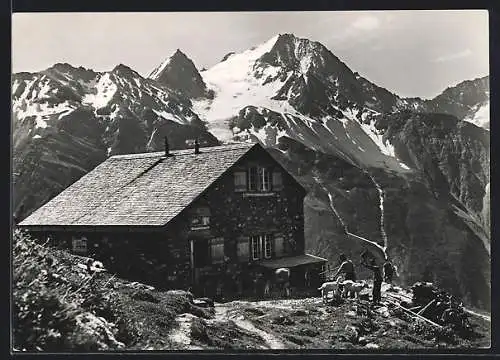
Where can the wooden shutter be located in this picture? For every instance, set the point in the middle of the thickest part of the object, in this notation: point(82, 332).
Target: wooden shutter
point(277, 180)
point(217, 250)
point(243, 248)
point(279, 248)
point(253, 179)
point(240, 181)
point(268, 246)
point(255, 247)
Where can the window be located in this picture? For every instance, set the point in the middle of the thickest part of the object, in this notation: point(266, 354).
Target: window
point(240, 181)
point(200, 218)
point(217, 250)
point(200, 221)
point(264, 179)
point(79, 245)
point(257, 178)
point(261, 246)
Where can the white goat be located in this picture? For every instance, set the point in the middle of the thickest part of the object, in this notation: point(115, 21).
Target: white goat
point(353, 287)
point(326, 287)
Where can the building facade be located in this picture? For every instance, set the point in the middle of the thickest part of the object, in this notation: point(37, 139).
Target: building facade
point(211, 219)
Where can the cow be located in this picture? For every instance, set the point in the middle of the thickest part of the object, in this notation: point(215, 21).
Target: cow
point(328, 286)
point(353, 288)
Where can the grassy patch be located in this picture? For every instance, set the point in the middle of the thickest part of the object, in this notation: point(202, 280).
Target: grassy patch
point(59, 306)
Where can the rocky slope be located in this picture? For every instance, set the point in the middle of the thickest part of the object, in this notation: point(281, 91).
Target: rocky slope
point(325, 121)
point(178, 72)
point(409, 176)
point(61, 306)
point(468, 100)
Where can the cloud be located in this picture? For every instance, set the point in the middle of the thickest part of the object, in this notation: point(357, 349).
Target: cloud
point(453, 56)
point(361, 30)
point(366, 23)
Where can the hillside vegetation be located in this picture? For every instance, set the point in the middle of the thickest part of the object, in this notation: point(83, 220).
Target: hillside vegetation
point(60, 306)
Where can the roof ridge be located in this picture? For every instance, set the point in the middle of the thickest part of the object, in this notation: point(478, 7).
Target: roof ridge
point(147, 190)
point(181, 152)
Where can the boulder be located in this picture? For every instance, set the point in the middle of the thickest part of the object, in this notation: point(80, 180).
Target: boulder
point(188, 294)
point(203, 302)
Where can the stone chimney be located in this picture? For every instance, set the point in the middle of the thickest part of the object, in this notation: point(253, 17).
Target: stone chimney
point(196, 147)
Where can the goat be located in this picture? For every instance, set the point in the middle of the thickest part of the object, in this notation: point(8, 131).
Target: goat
point(326, 287)
point(282, 280)
point(353, 288)
point(267, 288)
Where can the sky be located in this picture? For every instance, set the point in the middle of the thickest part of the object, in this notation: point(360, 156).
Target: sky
point(411, 53)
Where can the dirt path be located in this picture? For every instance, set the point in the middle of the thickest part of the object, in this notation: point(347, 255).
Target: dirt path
point(181, 334)
point(229, 312)
point(303, 323)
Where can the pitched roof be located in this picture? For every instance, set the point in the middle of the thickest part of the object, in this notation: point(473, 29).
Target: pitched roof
point(138, 189)
point(292, 261)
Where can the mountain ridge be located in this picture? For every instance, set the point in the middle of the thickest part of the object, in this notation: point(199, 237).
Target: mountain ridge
point(342, 135)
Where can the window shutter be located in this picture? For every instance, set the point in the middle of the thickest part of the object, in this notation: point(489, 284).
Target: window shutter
point(243, 249)
point(268, 246)
point(255, 247)
point(252, 179)
point(240, 181)
point(217, 250)
point(279, 249)
point(277, 180)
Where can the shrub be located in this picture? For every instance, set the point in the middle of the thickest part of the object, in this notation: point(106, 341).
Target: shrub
point(59, 306)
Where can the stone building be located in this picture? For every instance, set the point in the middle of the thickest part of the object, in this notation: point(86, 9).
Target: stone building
point(188, 218)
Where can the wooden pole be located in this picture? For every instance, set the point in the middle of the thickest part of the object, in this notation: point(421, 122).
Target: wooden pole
point(421, 311)
point(484, 317)
point(415, 314)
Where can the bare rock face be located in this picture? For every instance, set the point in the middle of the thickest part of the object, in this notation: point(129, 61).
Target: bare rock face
point(318, 83)
point(179, 72)
point(333, 129)
point(67, 120)
point(460, 99)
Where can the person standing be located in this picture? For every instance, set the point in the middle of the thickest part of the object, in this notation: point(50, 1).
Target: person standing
point(377, 279)
point(346, 267)
point(388, 272)
point(307, 278)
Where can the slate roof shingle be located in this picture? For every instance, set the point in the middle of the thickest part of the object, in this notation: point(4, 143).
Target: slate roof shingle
point(138, 189)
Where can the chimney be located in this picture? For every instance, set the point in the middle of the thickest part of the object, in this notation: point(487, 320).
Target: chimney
point(196, 147)
point(167, 148)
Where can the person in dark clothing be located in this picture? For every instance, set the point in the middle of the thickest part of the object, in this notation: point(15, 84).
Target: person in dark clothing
point(377, 279)
point(347, 268)
point(388, 272)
